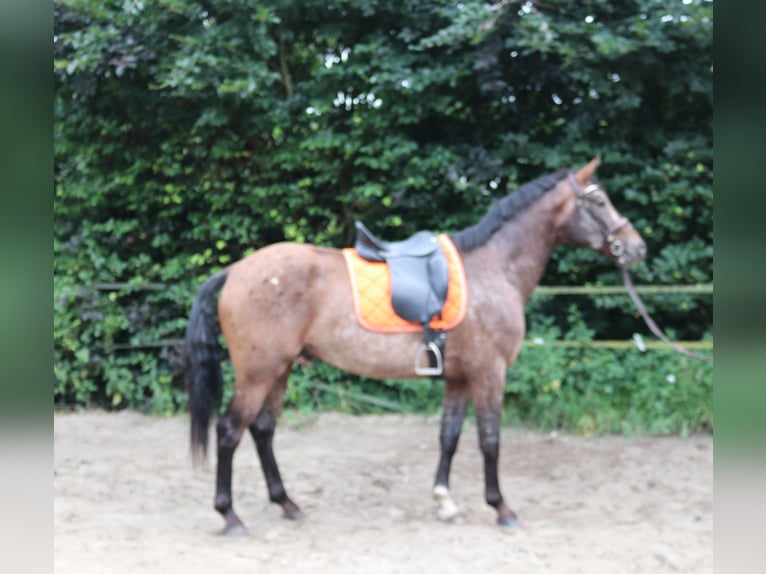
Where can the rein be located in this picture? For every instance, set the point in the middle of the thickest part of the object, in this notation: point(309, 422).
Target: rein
point(650, 322)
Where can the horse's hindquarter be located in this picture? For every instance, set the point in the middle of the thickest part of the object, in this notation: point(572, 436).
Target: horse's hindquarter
point(265, 302)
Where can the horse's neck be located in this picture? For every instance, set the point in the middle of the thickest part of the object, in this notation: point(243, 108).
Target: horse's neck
point(524, 244)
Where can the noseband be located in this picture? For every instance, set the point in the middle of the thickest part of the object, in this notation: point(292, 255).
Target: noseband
point(616, 247)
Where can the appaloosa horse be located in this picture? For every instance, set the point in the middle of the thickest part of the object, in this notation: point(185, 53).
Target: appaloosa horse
point(289, 301)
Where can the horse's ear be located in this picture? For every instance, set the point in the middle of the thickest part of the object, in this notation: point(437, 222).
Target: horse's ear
point(587, 172)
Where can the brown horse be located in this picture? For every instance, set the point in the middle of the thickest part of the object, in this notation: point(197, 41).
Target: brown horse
point(292, 301)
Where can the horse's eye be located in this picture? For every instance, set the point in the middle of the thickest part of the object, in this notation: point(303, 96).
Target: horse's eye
point(601, 203)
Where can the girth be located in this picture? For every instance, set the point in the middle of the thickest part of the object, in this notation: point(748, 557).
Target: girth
point(419, 281)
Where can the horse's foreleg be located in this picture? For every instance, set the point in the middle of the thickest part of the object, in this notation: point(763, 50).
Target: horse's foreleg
point(488, 400)
point(453, 415)
point(229, 431)
point(262, 430)
point(488, 422)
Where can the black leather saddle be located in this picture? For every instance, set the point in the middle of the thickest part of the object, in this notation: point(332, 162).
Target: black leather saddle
point(419, 281)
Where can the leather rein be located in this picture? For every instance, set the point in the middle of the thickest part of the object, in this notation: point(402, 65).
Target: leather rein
point(653, 327)
point(617, 248)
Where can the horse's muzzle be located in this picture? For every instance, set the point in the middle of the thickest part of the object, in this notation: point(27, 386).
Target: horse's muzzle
point(630, 252)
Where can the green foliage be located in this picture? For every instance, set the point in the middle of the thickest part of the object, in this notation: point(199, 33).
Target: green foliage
point(188, 134)
point(595, 391)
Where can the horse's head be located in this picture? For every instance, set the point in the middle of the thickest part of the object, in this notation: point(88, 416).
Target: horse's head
point(594, 222)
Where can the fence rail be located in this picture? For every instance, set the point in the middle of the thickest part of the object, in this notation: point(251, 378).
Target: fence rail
point(698, 289)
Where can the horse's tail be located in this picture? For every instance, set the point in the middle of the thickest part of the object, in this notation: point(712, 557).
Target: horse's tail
point(204, 382)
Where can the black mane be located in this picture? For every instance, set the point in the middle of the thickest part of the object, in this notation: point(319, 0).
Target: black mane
point(503, 210)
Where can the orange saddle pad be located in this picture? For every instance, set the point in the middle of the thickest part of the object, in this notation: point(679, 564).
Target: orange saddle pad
point(371, 289)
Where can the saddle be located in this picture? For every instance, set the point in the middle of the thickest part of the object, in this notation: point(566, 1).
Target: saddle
point(419, 282)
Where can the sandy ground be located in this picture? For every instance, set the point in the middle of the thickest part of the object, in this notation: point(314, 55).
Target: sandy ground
point(126, 499)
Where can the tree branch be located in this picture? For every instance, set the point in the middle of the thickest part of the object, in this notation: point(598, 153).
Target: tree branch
point(286, 78)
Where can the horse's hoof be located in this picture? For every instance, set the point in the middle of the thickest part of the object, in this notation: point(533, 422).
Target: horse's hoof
point(235, 530)
point(290, 511)
point(508, 522)
point(448, 510)
point(448, 514)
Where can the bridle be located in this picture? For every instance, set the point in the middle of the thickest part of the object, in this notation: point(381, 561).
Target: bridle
point(617, 248)
point(585, 201)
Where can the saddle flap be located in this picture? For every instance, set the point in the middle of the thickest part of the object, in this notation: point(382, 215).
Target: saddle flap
point(419, 286)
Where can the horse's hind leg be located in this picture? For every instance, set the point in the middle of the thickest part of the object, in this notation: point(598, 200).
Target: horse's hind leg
point(229, 431)
point(453, 415)
point(262, 430)
point(248, 400)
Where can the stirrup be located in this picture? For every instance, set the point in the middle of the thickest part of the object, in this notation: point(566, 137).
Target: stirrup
point(429, 371)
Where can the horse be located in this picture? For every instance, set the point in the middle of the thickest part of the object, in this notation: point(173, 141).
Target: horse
point(291, 302)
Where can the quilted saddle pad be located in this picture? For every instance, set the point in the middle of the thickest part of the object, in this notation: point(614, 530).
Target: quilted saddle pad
point(371, 289)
